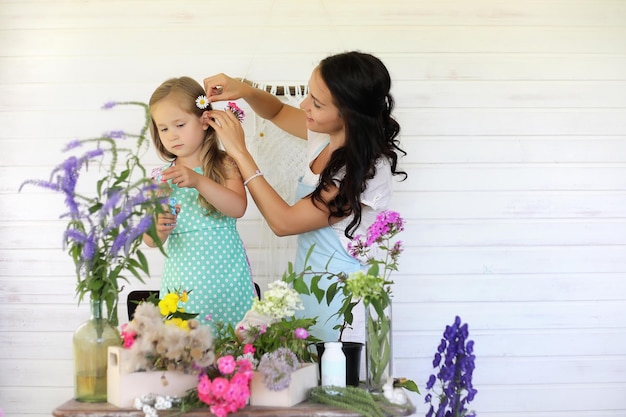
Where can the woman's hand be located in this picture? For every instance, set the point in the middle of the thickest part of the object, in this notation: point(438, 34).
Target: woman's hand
point(229, 130)
point(221, 87)
point(182, 176)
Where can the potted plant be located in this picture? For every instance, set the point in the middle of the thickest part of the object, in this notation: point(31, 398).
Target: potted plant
point(106, 219)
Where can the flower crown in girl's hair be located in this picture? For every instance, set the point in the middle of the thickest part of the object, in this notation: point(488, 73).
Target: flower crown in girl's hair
point(202, 103)
point(232, 106)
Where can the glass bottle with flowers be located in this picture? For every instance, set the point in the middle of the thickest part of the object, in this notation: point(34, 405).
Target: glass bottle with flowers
point(102, 237)
point(374, 288)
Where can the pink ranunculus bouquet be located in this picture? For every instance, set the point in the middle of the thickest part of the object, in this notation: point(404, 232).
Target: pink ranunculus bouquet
point(226, 387)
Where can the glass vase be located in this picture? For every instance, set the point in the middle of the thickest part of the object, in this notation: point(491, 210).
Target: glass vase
point(91, 343)
point(378, 346)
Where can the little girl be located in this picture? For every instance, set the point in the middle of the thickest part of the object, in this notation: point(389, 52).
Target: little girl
point(205, 253)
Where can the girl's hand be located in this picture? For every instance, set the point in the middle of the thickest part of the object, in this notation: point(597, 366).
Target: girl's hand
point(229, 130)
point(182, 176)
point(221, 87)
point(165, 223)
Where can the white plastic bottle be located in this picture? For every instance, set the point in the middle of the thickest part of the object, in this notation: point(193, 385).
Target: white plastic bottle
point(333, 365)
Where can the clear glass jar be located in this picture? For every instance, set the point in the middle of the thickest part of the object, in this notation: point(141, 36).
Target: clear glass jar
point(91, 343)
point(378, 346)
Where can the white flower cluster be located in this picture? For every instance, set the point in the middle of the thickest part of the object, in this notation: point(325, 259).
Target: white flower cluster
point(150, 404)
point(280, 300)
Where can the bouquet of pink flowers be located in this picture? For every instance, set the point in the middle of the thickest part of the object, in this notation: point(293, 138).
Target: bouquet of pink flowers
point(225, 388)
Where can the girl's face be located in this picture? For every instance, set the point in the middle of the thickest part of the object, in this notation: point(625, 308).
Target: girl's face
point(181, 133)
point(321, 114)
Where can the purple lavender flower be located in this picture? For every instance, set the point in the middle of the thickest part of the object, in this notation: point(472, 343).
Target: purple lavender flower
point(139, 230)
point(113, 217)
point(109, 105)
point(74, 235)
point(71, 145)
point(115, 134)
point(118, 243)
point(89, 247)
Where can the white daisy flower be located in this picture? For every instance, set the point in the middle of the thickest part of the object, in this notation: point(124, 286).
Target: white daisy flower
point(202, 102)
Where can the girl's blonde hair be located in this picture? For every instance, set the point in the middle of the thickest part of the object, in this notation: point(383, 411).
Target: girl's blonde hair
point(185, 91)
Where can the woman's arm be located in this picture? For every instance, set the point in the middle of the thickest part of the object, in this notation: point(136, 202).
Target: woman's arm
point(282, 218)
point(288, 118)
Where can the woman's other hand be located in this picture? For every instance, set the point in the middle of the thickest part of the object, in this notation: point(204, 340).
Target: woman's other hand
point(221, 87)
point(229, 130)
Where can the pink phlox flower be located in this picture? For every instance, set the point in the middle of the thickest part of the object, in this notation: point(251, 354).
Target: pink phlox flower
point(375, 232)
point(204, 385)
point(244, 365)
point(301, 333)
point(233, 394)
point(219, 386)
point(208, 317)
point(219, 410)
point(239, 379)
point(249, 348)
point(128, 336)
point(263, 329)
point(226, 364)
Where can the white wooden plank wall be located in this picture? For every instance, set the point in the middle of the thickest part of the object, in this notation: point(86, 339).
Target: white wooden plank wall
point(513, 114)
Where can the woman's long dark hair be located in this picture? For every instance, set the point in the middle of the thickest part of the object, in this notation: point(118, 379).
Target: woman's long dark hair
point(359, 84)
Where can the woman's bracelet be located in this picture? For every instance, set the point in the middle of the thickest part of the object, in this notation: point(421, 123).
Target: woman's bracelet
point(257, 173)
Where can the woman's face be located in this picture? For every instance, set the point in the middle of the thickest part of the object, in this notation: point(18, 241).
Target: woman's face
point(321, 113)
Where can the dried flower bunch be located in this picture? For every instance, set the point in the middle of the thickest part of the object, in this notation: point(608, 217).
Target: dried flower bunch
point(454, 360)
point(162, 336)
point(104, 227)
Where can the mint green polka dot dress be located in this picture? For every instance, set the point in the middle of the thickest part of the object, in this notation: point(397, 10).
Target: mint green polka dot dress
point(206, 255)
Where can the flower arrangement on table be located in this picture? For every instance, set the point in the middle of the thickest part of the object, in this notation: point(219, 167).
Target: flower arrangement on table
point(269, 341)
point(454, 361)
point(275, 341)
point(104, 229)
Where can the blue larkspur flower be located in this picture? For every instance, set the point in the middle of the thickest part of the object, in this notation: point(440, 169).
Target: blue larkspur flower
point(455, 362)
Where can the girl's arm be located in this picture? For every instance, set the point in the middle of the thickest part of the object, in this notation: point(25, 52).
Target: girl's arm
point(288, 118)
point(230, 198)
point(282, 218)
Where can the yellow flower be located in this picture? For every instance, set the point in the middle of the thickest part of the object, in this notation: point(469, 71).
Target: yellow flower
point(168, 304)
point(184, 296)
point(177, 321)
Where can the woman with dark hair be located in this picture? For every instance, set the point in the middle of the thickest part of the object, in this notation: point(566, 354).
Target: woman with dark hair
point(352, 157)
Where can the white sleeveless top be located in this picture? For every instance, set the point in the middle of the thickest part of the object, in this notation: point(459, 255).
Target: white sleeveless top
point(375, 198)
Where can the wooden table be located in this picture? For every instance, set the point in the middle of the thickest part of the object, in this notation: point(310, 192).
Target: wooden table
point(73, 408)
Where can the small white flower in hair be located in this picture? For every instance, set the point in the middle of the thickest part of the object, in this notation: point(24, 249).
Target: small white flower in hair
point(202, 102)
